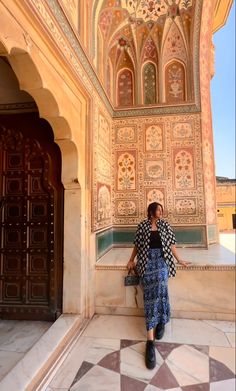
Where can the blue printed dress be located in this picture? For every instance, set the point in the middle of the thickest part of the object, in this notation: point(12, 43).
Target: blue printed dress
point(155, 285)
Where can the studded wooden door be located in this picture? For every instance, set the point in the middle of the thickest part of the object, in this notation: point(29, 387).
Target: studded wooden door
point(31, 219)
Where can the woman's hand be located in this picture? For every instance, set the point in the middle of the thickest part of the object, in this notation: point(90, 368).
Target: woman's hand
point(130, 264)
point(184, 263)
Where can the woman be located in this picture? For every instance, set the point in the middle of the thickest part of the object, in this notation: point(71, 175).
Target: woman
point(154, 245)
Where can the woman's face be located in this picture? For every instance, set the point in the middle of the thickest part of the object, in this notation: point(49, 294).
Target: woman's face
point(158, 213)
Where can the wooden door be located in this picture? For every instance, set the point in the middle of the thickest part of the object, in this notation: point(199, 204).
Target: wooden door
point(31, 195)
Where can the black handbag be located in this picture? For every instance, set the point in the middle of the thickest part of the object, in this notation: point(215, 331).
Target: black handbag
point(132, 279)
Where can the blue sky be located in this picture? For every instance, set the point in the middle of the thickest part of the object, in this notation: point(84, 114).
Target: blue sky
point(223, 98)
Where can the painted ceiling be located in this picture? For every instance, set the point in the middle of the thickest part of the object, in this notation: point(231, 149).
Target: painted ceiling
point(130, 23)
point(131, 32)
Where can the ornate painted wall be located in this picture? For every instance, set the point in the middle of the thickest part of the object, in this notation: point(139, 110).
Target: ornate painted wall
point(147, 47)
point(158, 159)
point(101, 168)
point(160, 63)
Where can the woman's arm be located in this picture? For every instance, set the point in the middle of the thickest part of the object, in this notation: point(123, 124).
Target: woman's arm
point(134, 253)
point(131, 264)
point(173, 249)
point(136, 241)
point(178, 259)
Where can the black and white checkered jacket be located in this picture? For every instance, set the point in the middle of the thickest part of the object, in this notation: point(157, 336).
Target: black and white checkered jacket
point(142, 242)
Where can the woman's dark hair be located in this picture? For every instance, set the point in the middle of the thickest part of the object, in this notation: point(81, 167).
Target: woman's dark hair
point(152, 209)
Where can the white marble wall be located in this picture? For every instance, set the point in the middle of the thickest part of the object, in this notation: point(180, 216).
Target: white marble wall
point(204, 292)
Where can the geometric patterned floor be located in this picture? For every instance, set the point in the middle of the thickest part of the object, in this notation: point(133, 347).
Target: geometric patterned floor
point(197, 370)
point(109, 355)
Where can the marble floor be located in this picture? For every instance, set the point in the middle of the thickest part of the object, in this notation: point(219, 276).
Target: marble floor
point(16, 338)
point(193, 355)
point(217, 254)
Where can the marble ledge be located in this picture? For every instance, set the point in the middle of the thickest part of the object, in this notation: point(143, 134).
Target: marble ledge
point(101, 266)
point(28, 373)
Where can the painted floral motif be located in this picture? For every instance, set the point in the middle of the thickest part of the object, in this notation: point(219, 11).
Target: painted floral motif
point(104, 203)
point(149, 83)
point(105, 22)
point(147, 10)
point(125, 134)
point(175, 82)
point(126, 172)
point(126, 208)
point(149, 51)
point(184, 170)
point(154, 169)
point(182, 130)
point(125, 88)
point(155, 195)
point(185, 206)
point(154, 138)
point(174, 45)
point(151, 10)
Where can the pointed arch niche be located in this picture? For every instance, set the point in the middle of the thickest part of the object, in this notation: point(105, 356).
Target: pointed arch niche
point(175, 82)
point(125, 81)
point(149, 83)
point(125, 88)
point(149, 79)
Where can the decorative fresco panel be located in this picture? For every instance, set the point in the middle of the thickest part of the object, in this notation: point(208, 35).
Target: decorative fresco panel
point(104, 202)
point(149, 51)
point(149, 83)
point(163, 172)
point(126, 134)
point(175, 82)
point(183, 168)
point(126, 208)
point(156, 195)
point(186, 206)
point(154, 169)
point(154, 138)
point(126, 170)
point(125, 88)
point(101, 210)
point(153, 32)
point(174, 46)
point(182, 130)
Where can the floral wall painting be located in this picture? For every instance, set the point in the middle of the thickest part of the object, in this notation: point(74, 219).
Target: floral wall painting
point(149, 83)
point(103, 202)
point(144, 37)
point(175, 82)
point(183, 169)
point(125, 88)
point(154, 138)
point(126, 170)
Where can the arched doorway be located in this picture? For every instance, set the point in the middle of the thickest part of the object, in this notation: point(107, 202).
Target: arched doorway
point(31, 195)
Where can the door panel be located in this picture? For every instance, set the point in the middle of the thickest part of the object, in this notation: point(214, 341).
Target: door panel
point(31, 219)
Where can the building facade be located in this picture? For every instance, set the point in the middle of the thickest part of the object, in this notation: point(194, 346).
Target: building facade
point(226, 207)
point(105, 107)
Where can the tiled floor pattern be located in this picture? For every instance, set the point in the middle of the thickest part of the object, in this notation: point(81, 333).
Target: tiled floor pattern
point(104, 360)
point(179, 367)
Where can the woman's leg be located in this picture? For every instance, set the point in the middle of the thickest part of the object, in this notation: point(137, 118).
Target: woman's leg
point(150, 334)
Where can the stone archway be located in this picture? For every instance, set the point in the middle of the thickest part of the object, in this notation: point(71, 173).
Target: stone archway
point(42, 86)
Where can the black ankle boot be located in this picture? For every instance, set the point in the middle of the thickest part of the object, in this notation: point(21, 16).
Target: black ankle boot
point(150, 355)
point(159, 331)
